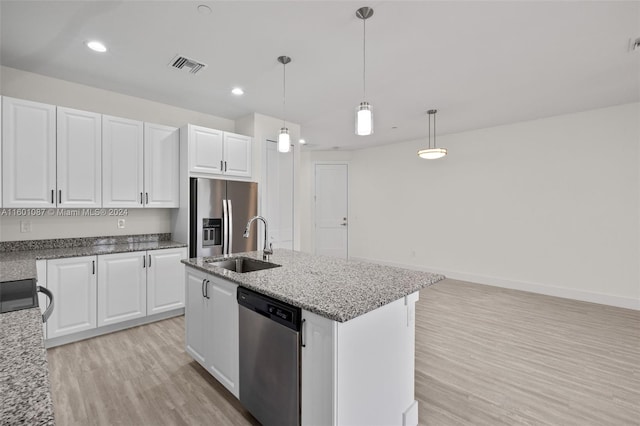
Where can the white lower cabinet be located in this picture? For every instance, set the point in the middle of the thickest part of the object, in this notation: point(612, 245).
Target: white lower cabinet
point(73, 284)
point(96, 291)
point(165, 280)
point(122, 287)
point(212, 326)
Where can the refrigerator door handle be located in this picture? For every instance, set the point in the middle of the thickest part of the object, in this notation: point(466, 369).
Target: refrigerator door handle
point(230, 245)
point(225, 228)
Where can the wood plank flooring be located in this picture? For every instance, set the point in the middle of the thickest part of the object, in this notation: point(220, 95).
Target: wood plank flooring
point(484, 356)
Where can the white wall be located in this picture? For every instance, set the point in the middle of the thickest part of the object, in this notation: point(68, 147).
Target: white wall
point(36, 87)
point(550, 206)
point(263, 127)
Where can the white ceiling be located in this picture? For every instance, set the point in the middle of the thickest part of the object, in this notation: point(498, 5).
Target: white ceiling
point(479, 63)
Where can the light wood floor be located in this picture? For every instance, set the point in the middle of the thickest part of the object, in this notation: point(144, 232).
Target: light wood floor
point(484, 356)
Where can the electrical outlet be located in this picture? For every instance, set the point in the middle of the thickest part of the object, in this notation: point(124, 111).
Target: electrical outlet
point(121, 223)
point(25, 226)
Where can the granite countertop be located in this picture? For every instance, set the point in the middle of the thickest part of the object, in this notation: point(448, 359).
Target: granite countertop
point(18, 265)
point(25, 397)
point(333, 288)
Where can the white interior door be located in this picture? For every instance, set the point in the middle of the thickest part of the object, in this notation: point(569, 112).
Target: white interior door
point(331, 209)
point(277, 205)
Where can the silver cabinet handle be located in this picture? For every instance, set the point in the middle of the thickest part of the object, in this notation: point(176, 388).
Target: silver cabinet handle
point(149, 261)
point(52, 195)
point(146, 195)
point(302, 344)
point(206, 289)
point(221, 166)
point(60, 196)
point(93, 267)
point(203, 281)
point(225, 166)
point(141, 198)
point(144, 261)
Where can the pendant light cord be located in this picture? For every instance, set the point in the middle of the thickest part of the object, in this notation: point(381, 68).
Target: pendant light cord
point(364, 59)
point(284, 93)
point(429, 131)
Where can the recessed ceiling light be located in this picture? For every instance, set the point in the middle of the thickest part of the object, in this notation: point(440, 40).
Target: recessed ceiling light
point(237, 91)
point(96, 46)
point(302, 141)
point(204, 9)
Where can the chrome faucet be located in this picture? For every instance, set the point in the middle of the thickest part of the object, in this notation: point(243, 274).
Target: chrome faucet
point(267, 250)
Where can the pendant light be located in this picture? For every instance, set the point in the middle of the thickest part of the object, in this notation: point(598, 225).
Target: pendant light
point(284, 140)
point(364, 114)
point(432, 153)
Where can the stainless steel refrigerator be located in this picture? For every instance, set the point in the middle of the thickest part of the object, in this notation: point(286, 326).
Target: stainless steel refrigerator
point(219, 211)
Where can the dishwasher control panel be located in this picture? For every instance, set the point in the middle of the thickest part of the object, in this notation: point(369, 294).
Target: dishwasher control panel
point(280, 312)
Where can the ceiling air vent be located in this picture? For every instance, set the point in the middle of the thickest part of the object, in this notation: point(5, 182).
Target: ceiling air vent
point(186, 64)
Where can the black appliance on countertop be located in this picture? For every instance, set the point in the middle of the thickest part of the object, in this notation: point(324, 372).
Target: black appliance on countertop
point(23, 294)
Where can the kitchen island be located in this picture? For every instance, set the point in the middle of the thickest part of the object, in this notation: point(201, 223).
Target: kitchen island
point(358, 334)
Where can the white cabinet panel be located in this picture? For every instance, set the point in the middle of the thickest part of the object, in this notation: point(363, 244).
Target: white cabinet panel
point(212, 327)
point(205, 150)
point(161, 166)
point(79, 165)
point(28, 153)
point(195, 310)
point(318, 373)
point(165, 280)
point(73, 284)
point(222, 331)
point(237, 155)
point(122, 162)
point(122, 287)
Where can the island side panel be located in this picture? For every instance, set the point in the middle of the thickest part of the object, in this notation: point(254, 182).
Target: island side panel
point(376, 365)
point(318, 370)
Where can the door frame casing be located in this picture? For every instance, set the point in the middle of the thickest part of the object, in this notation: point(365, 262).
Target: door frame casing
point(313, 200)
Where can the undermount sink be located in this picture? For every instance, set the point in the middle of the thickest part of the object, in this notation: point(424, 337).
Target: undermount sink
point(243, 264)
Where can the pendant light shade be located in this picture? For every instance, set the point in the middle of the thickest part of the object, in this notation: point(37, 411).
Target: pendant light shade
point(364, 113)
point(284, 140)
point(432, 153)
point(364, 119)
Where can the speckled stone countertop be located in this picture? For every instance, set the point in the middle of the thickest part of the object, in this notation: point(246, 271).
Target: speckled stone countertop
point(25, 397)
point(333, 288)
point(17, 265)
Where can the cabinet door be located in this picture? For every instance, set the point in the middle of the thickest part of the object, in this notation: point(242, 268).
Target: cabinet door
point(195, 308)
point(122, 162)
point(222, 334)
point(161, 166)
point(165, 280)
point(205, 150)
point(318, 370)
point(73, 284)
point(28, 153)
point(237, 155)
point(79, 158)
point(122, 287)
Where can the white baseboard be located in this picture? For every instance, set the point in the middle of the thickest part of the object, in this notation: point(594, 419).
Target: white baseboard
point(549, 290)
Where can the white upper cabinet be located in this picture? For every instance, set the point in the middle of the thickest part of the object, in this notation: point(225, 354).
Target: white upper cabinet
point(214, 152)
point(79, 159)
point(161, 166)
point(28, 153)
point(205, 150)
point(122, 162)
point(237, 155)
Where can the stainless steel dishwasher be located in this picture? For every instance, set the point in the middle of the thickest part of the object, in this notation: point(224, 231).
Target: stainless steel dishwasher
point(269, 358)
